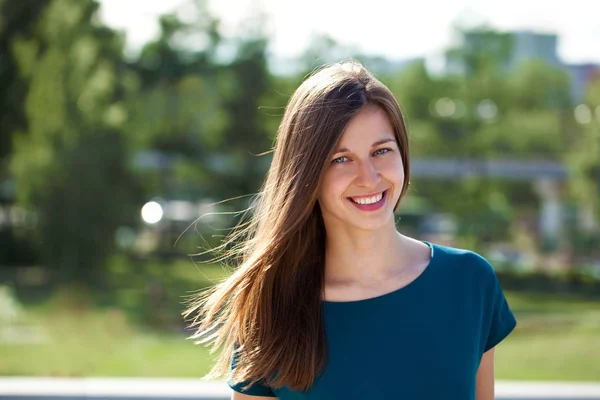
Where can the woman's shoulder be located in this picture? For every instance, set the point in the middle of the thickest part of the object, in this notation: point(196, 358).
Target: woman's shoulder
point(464, 260)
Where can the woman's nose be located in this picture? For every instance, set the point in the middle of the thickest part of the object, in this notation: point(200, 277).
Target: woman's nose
point(368, 175)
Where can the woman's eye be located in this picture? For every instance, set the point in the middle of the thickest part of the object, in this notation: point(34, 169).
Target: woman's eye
point(340, 160)
point(382, 151)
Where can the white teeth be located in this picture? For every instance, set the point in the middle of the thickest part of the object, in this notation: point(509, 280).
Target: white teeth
point(368, 200)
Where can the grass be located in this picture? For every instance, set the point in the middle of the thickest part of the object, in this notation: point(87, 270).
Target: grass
point(102, 343)
point(557, 338)
point(562, 356)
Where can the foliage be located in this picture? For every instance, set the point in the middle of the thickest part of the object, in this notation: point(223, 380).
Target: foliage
point(79, 119)
point(70, 163)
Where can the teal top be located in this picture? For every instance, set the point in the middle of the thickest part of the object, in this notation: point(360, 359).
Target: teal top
point(423, 341)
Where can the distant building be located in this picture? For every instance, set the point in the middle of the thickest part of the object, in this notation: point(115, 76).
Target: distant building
point(512, 48)
point(509, 48)
point(581, 76)
point(527, 45)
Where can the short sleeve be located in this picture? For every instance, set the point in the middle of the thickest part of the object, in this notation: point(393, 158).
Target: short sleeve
point(500, 318)
point(257, 389)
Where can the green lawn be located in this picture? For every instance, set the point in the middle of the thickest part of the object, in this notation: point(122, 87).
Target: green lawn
point(103, 343)
point(557, 338)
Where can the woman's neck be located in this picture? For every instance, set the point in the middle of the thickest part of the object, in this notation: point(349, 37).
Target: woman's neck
point(355, 256)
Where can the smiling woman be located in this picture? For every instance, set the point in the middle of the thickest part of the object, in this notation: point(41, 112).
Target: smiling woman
point(330, 301)
point(366, 173)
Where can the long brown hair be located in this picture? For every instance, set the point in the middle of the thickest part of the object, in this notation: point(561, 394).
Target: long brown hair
point(268, 312)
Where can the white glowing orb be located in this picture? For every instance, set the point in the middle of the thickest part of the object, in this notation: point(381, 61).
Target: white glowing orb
point(152, 212)
point(583, 114)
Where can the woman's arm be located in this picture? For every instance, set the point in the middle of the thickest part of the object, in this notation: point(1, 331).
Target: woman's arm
point(484, 386)
point(241, 396)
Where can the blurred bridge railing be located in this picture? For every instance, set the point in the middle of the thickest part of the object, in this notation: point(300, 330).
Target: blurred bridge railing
point(186, 389)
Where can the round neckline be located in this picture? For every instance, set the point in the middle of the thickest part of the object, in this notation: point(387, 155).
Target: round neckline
point(412, 283)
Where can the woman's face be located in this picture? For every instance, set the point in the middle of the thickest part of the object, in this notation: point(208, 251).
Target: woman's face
point(365, 175)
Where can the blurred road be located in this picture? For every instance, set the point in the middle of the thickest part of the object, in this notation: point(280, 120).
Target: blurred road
point(186, 389)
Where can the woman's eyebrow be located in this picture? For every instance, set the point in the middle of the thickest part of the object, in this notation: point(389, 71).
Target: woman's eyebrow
point(377, 143)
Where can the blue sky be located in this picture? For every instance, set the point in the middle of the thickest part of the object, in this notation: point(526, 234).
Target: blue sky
point(395, 29)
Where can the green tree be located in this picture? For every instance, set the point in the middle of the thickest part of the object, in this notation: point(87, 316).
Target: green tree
point(70, 163)
point(245, 135)
point(583, 161)
point(484, 109)
point(17, 22)
point(205, 108)
point(177, 108)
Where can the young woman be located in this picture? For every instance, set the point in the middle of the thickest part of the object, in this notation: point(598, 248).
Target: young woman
point(329, 300)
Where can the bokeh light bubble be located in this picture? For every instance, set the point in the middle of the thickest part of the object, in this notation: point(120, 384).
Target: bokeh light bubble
point(152, 212)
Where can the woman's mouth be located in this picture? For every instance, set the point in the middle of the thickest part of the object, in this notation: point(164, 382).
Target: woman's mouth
point(369, 203)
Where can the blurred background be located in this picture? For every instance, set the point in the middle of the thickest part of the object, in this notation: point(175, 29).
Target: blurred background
point(123, 122)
